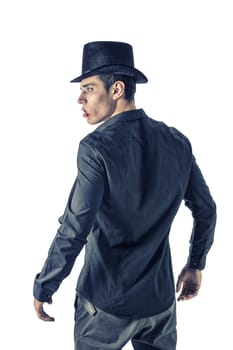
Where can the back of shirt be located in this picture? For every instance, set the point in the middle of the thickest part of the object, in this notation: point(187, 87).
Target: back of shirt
point(133, 173)
point(145, 167)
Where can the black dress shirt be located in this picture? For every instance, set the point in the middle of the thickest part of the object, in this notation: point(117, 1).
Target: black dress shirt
point(133, 173)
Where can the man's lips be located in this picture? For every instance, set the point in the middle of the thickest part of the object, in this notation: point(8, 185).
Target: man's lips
point(85, 114)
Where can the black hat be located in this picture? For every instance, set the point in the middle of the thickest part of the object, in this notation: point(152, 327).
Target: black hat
point(109, 57)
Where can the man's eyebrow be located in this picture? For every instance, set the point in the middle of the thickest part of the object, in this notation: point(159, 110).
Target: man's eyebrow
point(87, 85)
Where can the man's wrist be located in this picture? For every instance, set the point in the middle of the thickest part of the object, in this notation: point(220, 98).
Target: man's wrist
point(195, 265)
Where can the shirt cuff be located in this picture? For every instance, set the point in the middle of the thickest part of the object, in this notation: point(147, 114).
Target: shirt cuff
point(39, 293)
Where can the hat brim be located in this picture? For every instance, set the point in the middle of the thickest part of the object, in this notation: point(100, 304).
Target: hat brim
point(139, 77)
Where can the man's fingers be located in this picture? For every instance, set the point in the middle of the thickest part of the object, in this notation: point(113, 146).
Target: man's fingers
point(188, 293)
point(45, 317)
point(183, 295)
point(186, 296)
point(42, 315)
point(178, 284)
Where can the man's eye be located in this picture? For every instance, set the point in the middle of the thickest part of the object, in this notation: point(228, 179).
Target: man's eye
point(89, 89)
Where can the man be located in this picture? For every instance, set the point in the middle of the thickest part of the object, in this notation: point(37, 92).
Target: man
point(133, 174)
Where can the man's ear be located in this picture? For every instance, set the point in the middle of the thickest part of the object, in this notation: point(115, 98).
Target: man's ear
point(118, 89)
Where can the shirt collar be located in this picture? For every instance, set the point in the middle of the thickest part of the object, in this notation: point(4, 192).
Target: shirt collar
point(122, 117)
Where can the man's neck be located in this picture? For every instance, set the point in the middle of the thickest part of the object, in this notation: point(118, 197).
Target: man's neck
point(123, 106)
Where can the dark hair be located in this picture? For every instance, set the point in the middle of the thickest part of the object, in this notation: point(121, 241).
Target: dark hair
point(130, 84)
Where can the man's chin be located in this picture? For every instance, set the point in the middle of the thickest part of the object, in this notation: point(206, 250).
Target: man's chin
point(90, 122)
point(93, 122)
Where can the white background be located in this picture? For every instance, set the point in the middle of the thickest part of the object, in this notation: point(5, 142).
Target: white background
point(185, 49)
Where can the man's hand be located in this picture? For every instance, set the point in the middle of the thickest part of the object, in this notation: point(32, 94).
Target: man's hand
point(39, 307)
point(190, 281)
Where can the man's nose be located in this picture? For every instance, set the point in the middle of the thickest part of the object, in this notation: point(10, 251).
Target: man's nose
point(81, 98)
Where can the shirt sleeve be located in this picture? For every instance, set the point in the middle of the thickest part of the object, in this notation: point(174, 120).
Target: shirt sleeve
point(199, 200)
point(76, 223)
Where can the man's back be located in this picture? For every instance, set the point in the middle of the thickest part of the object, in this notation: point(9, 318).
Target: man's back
point(146, 168)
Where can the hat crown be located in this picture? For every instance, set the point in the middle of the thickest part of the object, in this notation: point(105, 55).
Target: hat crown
point(103, 53)
point(109, 57)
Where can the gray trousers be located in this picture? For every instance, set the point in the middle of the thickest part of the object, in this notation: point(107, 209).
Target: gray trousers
point(96, 329)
